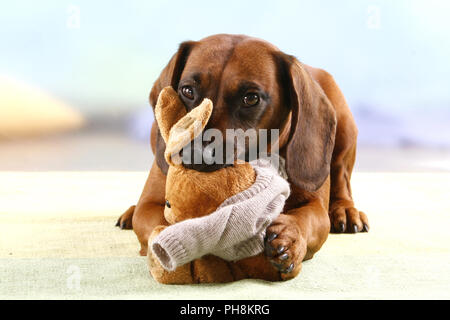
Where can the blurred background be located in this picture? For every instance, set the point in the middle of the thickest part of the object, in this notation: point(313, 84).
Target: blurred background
point(75, 75)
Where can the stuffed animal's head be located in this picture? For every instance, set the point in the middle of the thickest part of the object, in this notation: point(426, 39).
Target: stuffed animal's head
point(178, 128)
point(190, 193)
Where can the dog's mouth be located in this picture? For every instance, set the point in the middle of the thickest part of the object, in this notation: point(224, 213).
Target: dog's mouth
point(205, 155)
point(203, 167)
point(202, 157)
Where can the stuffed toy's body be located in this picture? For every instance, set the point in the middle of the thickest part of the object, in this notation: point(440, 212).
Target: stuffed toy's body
point(218, 219)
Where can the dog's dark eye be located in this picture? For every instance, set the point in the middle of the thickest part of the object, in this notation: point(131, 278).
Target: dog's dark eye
point(251, 99)
point(167, 204)
point(188, 92)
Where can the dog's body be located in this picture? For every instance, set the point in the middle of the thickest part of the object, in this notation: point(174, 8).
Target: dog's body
point(317, 139)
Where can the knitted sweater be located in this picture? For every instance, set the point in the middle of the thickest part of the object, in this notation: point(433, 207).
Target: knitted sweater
point(234, 231)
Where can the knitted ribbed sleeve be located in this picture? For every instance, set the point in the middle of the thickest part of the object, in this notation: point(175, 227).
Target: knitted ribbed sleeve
point(234, 231)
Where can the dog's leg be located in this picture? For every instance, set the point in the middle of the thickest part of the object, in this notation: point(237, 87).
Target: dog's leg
point(300, 232)
point(149, 212)
point(343, 214)
point(125, 221)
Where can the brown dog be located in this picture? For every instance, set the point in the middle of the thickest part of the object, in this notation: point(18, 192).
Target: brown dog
point(254, 85)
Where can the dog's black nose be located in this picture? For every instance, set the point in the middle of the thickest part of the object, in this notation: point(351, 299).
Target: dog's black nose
point(204, 157)
point(203, 167)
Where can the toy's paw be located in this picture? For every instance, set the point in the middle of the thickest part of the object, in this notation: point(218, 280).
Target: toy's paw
point(155, 267)
point(125, 220)
point(284, 246)
point(344, 217)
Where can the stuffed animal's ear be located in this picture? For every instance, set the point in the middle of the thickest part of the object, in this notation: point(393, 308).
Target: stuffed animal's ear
point(170, 76)
point(187, 129)
point(168, 110)
point(313, 126)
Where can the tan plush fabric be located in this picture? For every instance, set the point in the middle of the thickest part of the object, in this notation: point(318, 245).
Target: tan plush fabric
point(168, 110)
point(28, 111)
point(194, 194)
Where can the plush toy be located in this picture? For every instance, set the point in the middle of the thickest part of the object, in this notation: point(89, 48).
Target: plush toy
point(217, 219)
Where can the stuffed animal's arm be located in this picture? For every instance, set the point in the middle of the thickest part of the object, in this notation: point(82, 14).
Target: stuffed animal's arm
point(190, 239)
point(253, 243)
point(232, 232)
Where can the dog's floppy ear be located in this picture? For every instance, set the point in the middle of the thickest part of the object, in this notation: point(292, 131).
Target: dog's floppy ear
point(170, 76)
point(313, 126)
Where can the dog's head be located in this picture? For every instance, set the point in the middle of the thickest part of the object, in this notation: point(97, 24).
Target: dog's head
point(253, 85)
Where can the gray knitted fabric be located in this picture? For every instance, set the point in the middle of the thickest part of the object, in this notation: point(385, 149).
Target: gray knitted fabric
point(234, 231)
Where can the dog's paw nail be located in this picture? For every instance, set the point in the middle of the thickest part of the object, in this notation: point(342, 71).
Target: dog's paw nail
point(271, 237)
point(366, 228)
point(284, 256)
point(118, 223)
point(281, 249)
point(355, 228)
point(289, 269)
point(341, 227)
point(123, 225)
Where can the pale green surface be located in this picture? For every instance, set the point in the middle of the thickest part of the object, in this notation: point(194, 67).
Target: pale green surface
point(325, 277)
point(54, 224)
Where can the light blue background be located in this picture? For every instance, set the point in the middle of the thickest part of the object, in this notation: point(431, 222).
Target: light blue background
point(391, 58)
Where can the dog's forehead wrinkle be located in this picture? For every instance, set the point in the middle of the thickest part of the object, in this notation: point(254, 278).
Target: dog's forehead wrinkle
point(197, 77)
point(209, 63)
point(231, 55)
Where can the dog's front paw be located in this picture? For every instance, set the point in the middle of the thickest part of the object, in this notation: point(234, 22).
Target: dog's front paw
point(285, 246)
point(344, 217)
point(125, 221)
